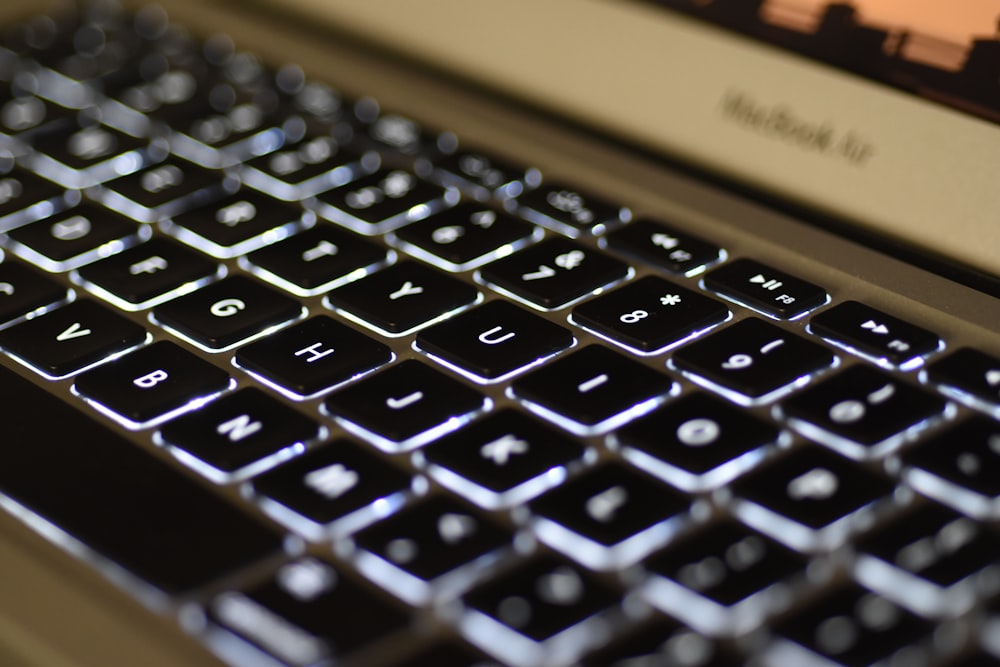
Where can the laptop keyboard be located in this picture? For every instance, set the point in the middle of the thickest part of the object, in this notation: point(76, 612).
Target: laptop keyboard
point(326, 383)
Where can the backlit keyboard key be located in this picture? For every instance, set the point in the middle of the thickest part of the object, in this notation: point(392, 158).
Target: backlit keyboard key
point(494, 340)
point(753, 358)
point(312, 261)
point(339, 486)
point(406, 404)
point(804, 498)
point(650, 313)
point(152, 382)
point(874, 333)
point(766, 289)
point(238, 224)
point(569, 211)
point(224, 313)
point(321, 612)
point(969, 373)
point(313, 355)
point(237, 432)
point(502, 459)
point(593, 389)
point(664, 246)
point(73, 337)
point(609, 516)
point(148, 273)
point(403, 297)
point(554, 272)
point(24, 290)
point(864, 408)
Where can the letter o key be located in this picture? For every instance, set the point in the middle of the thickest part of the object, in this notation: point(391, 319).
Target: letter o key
point(227, 307)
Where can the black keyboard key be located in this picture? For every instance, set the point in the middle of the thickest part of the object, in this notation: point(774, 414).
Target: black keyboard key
point(864, 408)
point(875, 334)
point(304, 168)
point(24, 290)
point(312, 356)
point(569, 211)
point(805, 497)
point(753, 358)
point(724, 567)
point(224, 313)
point(650, 314)
point(148, 273)
point(152, 382)
point(968, 373)
point(502, 459)
point(116, 499)
point(696, 442)
point(766, 289)
point(28, 117)
point(849, 625)
point(406, 404)
point(81, 157)
point(424, 542)
point(25, 197)
point(594, 389)
point(382, 201)
point(238, 433)
point(164, 189)
point(322, 614)
point(402, 297)
point(75, 237)
point(338, 487)
point(317, 259)
point(70, 338)
point(236, 225)
point(960, 466)
point(465, 236)
point(554, 272)
point(935, 547)
point(487, 174)
point(608, 517)
point(664, 246)
point(538, 600)
point(494, 340)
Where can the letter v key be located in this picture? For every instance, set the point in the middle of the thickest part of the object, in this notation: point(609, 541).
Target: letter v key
point(73, 331)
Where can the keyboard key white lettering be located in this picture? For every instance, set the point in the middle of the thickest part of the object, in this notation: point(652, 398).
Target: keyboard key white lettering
point(238, 428)
point(593, 383)
point(698, 432)
point(817, 484)
point(605, 505)
point(499, 451)
point(234, 214)
point(151, 265)
point(408, 289)
point(162, 178)
point(227, 307)
point(314, 352)
point(491, 338)
point(453, 528)
point(322, 249)
point(71, 229)
point(405, 401)
point(150, 380)
point(333, 481)
point(74, 330)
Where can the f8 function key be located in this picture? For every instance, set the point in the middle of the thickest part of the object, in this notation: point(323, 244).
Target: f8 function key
point(766, 289)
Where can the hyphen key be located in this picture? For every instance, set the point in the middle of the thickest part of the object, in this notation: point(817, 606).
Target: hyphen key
point(117, 499)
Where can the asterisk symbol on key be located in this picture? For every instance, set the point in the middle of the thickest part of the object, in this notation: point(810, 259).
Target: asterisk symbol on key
point(670, 299)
